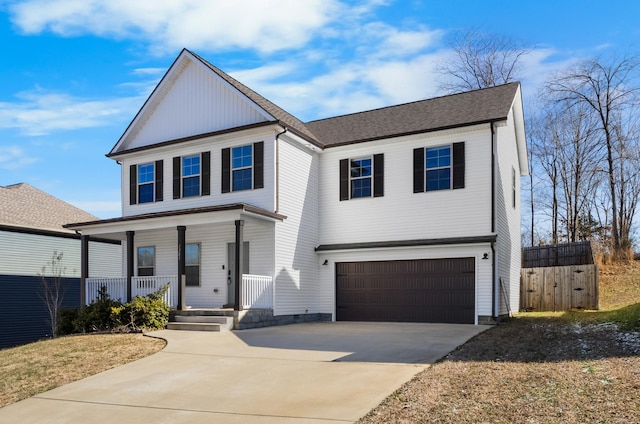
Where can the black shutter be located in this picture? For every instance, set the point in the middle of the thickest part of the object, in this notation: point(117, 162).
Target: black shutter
point(258, 165)
point(378, 175)
point(458, 165)
point(159, 180)
point(418, 170)
point(133, 184)
point(177, 174)
point(206, 173)
point(226, 170)
point(344, 179)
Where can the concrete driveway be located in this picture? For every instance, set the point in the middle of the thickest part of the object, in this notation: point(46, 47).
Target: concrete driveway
point(303, 373)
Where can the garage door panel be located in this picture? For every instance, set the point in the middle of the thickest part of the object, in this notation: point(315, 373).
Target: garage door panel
point(428, 290)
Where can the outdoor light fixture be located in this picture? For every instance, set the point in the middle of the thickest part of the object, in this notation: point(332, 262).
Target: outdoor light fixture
point(485, 256)
point(326, 262)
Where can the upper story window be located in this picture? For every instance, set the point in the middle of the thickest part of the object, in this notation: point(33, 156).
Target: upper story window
point(513, 187)
point(438, 168)
point(362, 177)
point(242, 167)
point(146, 181)
point(191, 176)
point(146, 261)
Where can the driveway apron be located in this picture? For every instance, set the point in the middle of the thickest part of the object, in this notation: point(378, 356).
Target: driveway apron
point(302, 373)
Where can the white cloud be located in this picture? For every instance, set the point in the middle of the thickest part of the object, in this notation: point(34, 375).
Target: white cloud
point(13, 157)
point(169, 25)
point(40, 112)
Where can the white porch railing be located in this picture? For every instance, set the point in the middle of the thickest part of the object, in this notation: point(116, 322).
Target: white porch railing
point(142, 286)
point(116, 288)
point(257, 291)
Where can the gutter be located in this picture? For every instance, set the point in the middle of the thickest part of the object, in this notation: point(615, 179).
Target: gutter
point(493, 221)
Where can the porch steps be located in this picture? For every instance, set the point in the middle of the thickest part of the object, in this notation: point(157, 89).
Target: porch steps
point(201, 320)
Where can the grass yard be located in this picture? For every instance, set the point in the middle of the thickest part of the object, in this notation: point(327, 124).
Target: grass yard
point(37, 367)
point(575, 367)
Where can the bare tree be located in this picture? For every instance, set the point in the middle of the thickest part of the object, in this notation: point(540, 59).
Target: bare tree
point(481, 60)
point(609, 91)
point(53, 289)
point(579, 154)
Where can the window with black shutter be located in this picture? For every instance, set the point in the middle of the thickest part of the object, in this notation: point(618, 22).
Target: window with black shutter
point(439, 168)
point(362, 177)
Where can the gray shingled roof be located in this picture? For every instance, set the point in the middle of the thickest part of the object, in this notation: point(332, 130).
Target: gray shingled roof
point(472, 107)
point(24, 206)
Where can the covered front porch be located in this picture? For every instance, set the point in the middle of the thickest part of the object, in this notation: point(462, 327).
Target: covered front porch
point(256, 290)
point(198, 254)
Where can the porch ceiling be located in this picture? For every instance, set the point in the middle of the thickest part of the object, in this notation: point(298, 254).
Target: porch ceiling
point(116, 228)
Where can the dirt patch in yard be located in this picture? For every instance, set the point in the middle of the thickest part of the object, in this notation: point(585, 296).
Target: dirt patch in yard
point(527, 370)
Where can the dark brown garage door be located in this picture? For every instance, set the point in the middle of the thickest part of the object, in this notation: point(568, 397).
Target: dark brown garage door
point(426, 290)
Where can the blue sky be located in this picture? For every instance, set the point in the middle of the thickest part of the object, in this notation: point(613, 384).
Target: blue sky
point(75, 72)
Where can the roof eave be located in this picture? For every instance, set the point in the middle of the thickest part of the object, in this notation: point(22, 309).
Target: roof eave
point(423, 131)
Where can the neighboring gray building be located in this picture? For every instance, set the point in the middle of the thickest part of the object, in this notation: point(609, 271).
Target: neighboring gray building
point(31, 231)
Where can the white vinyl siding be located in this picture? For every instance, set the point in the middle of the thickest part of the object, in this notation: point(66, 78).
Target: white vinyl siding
point(213, 240)
point(508, 224)
point(263, 197)
point(27, 254)
point(402, 214)
point(192, 100)
point(297, 290)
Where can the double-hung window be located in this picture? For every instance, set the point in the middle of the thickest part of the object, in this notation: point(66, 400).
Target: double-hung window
point(191, 176)
point(242, 167)
point(438, 168)
point(146, 261)
point(146, 179)
point(146, 182)
point(192, 263)
point(361, 176)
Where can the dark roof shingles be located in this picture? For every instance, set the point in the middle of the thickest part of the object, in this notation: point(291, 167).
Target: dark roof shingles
point(450, 111)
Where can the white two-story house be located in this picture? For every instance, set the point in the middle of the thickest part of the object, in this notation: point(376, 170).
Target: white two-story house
point(404, 213)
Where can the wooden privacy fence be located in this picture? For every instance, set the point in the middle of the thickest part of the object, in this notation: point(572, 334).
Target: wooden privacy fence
point(559, 288)
point(557, 255)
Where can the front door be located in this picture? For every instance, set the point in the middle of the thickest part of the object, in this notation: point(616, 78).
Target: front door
point(231, 283)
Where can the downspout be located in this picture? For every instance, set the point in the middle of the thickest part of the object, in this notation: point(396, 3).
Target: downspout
point(277, 184)
point(493, 222)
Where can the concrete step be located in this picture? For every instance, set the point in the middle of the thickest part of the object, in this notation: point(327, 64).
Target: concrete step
point(224, 321)
point(194, 326)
